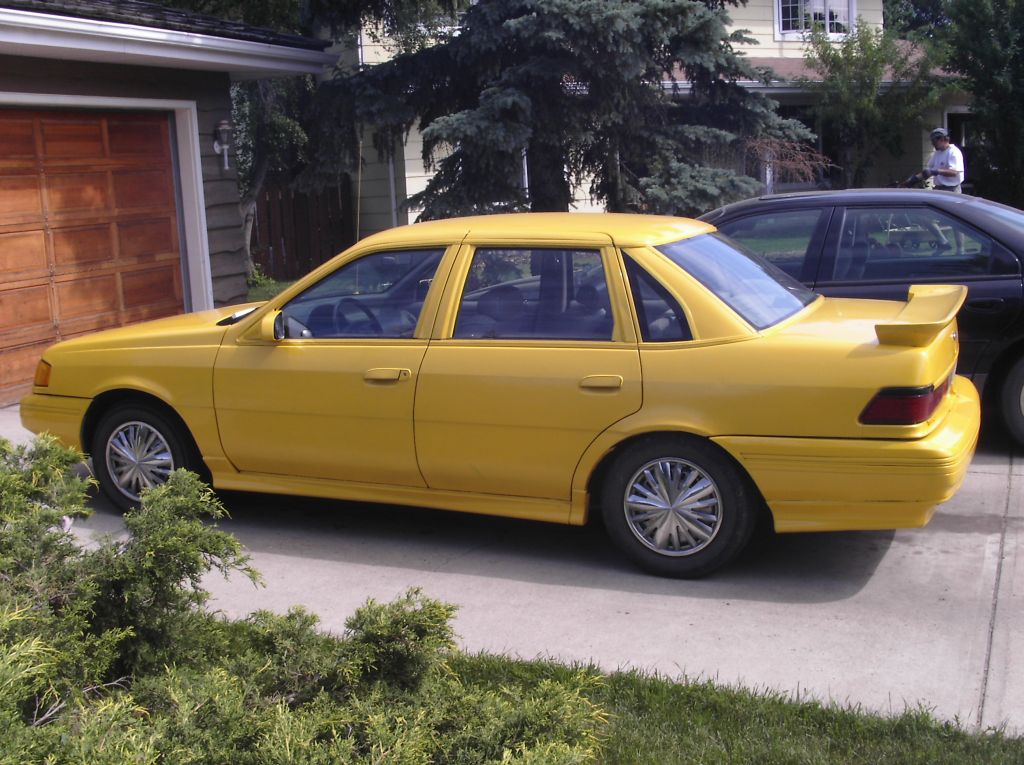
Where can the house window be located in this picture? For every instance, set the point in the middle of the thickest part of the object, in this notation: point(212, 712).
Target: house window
point(799, 16)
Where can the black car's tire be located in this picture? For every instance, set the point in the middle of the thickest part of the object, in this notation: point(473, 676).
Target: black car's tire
point(678, 507)
point(1011, 402)
point(134, 447)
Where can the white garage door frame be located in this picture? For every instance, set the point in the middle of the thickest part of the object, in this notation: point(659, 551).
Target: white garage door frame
point(188, 163)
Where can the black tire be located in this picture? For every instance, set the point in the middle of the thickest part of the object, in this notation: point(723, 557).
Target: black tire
point(175, 452)
point(1011, 404)
point(694, 546)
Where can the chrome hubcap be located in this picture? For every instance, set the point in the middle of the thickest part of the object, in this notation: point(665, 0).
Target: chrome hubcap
point(673, 507)
point(138, 457)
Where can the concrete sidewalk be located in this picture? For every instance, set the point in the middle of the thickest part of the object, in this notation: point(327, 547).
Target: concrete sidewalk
point(881, 620)
point(10, 425)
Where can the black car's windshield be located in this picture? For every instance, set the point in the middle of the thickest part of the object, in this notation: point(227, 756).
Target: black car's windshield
point(762, 294)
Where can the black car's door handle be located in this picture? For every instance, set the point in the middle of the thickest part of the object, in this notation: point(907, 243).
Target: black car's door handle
point(985, 305)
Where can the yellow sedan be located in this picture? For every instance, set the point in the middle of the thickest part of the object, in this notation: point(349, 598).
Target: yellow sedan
point(543, 366)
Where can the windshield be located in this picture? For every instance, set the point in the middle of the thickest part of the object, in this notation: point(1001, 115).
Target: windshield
point(759, 292)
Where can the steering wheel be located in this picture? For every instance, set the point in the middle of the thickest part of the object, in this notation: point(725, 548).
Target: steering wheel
point(341, 320)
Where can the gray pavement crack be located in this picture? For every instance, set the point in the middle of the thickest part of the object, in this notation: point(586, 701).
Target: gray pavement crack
point(987, 667)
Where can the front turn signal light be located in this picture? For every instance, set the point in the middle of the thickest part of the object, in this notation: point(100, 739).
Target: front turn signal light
point(42, 378)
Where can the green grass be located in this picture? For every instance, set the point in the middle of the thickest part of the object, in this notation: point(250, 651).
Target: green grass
point(791, 247)
point(264, 288)
point(654, 720)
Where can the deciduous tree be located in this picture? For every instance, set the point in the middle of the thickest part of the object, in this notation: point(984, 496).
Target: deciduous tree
point(869, 88)
point(986, 48)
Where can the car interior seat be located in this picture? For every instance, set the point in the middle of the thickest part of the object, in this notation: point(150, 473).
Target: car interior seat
point(498, 314)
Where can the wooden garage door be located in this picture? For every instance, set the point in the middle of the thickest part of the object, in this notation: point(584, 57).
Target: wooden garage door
point(88, 230)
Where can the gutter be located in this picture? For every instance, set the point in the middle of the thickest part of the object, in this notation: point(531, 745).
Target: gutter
point(43, 35)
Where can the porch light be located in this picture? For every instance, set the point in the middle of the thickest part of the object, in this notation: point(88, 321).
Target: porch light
point(222, 140)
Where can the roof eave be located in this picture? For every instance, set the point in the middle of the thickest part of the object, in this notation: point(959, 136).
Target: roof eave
point(776, 87)
point(42, 35)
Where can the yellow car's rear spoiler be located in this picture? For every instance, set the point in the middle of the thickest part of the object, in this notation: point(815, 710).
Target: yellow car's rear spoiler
point(929, 309)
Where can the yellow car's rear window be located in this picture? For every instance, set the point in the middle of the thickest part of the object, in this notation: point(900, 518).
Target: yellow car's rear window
point(761, 293)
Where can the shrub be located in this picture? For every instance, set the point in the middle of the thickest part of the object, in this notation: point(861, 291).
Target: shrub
point(107, 654)
point(150, 582)
point(399, 643)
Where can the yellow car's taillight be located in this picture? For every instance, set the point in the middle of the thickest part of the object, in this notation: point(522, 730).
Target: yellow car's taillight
point(905, 406)
point(42, 378)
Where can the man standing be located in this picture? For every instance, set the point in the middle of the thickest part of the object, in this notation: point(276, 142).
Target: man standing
point(946, 165)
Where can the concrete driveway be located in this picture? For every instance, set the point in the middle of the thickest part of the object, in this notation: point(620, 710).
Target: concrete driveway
point(881, 620)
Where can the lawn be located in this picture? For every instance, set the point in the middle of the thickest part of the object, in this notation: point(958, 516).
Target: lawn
point(657, 720)
point(262, 286)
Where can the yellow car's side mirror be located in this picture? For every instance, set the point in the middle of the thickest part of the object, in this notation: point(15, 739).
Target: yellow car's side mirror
point(272, 327)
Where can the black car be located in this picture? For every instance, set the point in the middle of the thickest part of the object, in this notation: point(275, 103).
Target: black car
point(875, 243)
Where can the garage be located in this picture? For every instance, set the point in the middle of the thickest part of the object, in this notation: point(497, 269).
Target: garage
point(119, 197)
point(89, 230)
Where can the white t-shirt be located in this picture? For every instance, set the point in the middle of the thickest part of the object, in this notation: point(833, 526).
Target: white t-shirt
point(948, 159)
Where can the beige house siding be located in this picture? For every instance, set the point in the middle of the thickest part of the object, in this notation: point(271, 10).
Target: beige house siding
point(416, 174)
point(373, 192)
point(758, 17)
point(210, 91)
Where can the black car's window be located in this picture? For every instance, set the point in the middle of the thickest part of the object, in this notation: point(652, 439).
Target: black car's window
point(781, 237)
point(756, 290)
point(379, 295)
point(660, 315)
point(514, 293)
point(882, 243)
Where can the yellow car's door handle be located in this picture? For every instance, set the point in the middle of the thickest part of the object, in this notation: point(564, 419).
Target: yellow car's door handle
point(602, 382)
point(386, 374)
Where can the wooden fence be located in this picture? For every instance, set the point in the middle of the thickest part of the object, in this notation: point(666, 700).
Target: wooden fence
point(293, 232)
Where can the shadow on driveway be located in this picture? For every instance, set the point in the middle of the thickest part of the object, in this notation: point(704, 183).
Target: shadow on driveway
point(790, 568)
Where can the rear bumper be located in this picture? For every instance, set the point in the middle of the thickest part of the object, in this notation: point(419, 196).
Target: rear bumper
point(60, 415)
point(813, 484)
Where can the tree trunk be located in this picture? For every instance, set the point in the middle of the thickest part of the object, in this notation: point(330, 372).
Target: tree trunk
point(616, 201)
point(549, 187)
point(247, 208)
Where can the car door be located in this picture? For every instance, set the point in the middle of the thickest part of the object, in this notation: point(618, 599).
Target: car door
point(878, 251)
point(533, 357)
point(789, 238)
point(333, 399)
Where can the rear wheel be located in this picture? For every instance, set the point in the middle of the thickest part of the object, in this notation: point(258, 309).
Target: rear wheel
point(136, 448)
point(678, 507)
point(1011, 402)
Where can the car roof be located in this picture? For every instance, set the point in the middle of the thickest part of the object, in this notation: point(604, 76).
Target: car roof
point(625, 229)
point(848, 196)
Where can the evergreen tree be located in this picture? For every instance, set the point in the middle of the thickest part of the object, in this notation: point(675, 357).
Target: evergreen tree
point(528, 98)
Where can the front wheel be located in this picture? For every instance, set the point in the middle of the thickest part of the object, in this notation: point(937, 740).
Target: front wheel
point(135, 448)
point(678, 507)
point(1011, 402)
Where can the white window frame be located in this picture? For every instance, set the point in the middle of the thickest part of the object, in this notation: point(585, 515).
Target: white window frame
point(800, 34)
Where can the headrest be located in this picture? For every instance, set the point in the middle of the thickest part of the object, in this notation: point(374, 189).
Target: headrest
point(502, 303)
point(592, 298)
